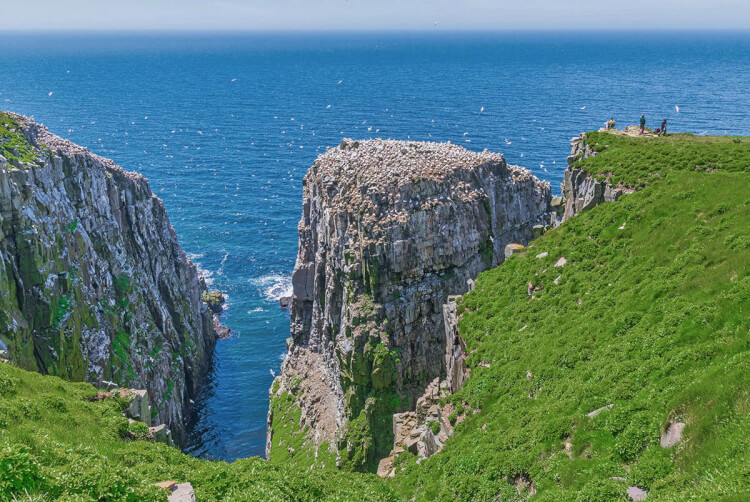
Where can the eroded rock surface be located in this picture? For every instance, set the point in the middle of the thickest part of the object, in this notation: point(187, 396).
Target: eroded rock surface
point(389, 230)
point(94, 285)
point(580, 190)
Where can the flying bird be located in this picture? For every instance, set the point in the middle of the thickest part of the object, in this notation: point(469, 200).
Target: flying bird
point(481, 110)
point(677, 108)
point(50, 93)
point(583, 107)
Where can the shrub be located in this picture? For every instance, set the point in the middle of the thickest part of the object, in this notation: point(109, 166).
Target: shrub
point(435, 427)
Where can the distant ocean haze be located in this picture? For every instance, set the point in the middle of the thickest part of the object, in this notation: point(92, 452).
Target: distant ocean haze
point(225, 127)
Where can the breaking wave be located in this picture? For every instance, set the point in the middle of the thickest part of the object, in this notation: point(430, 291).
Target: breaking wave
point(274, 286)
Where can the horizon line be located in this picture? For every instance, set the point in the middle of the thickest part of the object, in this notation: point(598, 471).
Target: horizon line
point(372, 31)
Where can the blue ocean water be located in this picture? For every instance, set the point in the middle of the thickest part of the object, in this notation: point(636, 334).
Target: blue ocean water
point(226, 125)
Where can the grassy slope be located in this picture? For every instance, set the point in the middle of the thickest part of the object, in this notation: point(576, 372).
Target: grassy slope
point(55, 444)
point(635, 161)
point(653, 318)
point(661, 331)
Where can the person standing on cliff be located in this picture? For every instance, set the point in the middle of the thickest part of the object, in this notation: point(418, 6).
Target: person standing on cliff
point(664, 127)
point(611, 123)
point(643, 122)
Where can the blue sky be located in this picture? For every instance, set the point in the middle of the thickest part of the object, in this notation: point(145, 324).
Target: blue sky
point(372, 14)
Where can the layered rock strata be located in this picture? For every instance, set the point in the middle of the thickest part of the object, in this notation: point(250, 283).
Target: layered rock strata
point(582, 191)
point(389, 230)
point(94, 284)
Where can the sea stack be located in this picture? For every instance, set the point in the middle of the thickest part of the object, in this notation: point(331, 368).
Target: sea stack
point(93, 283)
point(389, 230)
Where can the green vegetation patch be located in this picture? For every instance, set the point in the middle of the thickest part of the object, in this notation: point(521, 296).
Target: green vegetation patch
point(635, 161)
point(56, 444)
point(13, 144)
point(651, 314)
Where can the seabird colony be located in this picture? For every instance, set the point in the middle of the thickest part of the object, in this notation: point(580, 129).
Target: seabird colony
point(381, 172)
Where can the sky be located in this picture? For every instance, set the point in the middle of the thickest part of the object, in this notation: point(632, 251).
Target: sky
point(345, 15)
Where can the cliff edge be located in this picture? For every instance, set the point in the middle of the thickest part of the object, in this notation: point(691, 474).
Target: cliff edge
point(94, 284)
point(389, 230)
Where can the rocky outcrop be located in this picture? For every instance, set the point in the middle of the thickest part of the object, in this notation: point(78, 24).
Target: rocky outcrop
point(389, 230)
point(455, 348)
point(582, 191)
point(94, 285)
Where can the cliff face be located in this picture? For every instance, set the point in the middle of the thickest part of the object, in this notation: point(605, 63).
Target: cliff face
point(389, 230)
point(94, 284)
point(580, 190)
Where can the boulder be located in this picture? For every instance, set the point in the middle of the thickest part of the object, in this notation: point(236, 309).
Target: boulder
point(139, 408)
point(636, 493)
point(182, 492)
point(222, 331)
point(385, 466)
point(599, 410)
point(215, 301)
point(412, 445)
point(285, 302)
point(561, 262)
point(672, 435)
point(161, 434)
point(512, 249)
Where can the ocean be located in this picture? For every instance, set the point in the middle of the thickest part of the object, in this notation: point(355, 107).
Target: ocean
point(226, 125)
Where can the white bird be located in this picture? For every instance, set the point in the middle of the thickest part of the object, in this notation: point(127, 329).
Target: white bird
point(466, 134)
point(677, 108)
point(273, 374)
point(234, 80)
point(583, 107)
point(50, 93)
point(340, 81)
point(508, 142)
point(481, 110)
point(328, 106)
point(521, 155)
point(436, 23)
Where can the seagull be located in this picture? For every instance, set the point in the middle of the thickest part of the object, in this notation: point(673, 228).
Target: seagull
point(328, 107)
point(436, 23)
point(521, 155)
point(50, 93)
point(273, 374)
point(466, 134)
point(481, 110)
point(234, 80)
point(340, 81)
point(677, 108)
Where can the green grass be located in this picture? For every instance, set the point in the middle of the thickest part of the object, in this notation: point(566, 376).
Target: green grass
point(653, 318)
point(13, 144)
point(651, 314)
point(56, 445)
point(635, 161)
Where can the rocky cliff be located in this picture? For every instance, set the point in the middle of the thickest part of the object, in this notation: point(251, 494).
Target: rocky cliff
point(582, 191)
point(389, 230)
point(94, 284)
